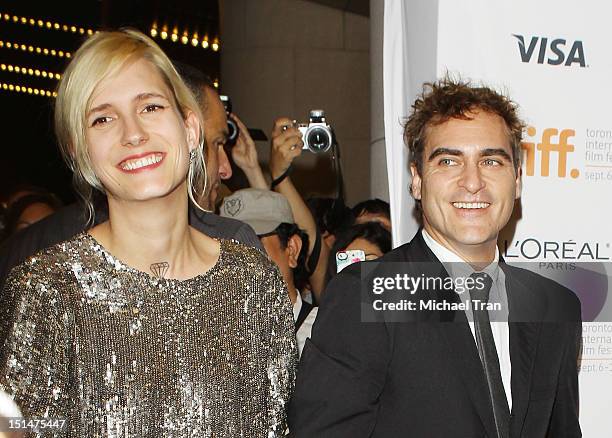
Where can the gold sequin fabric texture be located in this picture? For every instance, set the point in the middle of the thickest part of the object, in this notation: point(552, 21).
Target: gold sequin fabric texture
point(119, 353)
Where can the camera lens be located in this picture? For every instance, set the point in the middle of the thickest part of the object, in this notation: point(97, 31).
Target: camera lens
point(318, 139)
point(232, 131)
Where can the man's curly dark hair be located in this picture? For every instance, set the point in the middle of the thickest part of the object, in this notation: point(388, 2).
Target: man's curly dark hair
point(455, 99)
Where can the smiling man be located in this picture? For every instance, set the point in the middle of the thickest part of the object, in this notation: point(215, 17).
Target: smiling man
point(447, 370)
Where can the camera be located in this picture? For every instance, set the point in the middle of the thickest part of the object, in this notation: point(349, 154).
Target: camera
point(232, 127)
point(316, 134)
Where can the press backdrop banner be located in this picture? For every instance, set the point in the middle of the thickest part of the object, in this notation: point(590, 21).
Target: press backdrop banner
point(553, 58)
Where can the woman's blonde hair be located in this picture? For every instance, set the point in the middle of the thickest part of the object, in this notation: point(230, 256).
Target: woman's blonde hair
point(102, 55)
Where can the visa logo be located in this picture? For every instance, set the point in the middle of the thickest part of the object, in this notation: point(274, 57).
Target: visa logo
point(552, 51)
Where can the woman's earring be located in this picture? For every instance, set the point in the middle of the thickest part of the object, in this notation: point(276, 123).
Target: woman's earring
point(192, 155)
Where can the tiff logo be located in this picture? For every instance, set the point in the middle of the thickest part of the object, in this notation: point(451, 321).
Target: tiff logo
point(546, 146)
point(557, 51)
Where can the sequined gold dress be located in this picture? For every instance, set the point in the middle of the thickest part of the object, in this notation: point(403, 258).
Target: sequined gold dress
point(119, 353)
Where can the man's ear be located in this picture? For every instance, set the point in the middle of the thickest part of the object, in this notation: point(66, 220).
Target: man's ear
point(519, 183)
point(294, 246)
point(415, 186)
point(192, 125)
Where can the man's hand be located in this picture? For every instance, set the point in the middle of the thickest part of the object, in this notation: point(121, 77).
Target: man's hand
point(244, 152)
point(286, 146)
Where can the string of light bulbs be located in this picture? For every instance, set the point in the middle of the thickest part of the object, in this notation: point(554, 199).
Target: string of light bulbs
point(183, 37)
point(173, 36)
point(18, 88)
point(34, 49)
point(45, 24)
point(29, 71)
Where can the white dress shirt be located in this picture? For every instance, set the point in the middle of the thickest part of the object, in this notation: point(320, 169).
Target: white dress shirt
point(457, 267)
point(306, 328)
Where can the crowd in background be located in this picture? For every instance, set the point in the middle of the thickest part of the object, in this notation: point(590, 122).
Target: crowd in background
point(325, 225)
point(302, 236)
point(366, 226)
point(169, 307)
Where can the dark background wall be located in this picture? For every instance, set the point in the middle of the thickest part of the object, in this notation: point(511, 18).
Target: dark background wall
point(29, 151)
point(286, 57)
point(276, 57)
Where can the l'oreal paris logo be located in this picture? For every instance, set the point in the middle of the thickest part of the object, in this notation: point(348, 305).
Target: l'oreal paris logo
point(556, 51)
point(532, 248)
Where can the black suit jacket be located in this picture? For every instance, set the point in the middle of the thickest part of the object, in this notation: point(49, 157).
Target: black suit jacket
point(424, 378)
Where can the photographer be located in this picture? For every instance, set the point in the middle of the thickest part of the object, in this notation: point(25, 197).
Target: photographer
point(286, 145)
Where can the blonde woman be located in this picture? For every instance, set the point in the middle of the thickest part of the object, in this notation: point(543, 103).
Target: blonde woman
point(143, 326)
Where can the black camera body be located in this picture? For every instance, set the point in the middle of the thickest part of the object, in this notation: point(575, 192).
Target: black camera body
point(232, 127)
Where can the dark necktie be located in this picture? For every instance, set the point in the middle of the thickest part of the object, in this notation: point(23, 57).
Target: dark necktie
point(488, 353)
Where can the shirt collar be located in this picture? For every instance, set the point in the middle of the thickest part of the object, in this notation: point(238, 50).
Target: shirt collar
point(297, 306)
point(454, 264)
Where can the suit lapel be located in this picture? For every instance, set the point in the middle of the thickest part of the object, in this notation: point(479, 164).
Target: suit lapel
point(524, 308)
point(523, 346)
point(464, 353)
point(460, 341)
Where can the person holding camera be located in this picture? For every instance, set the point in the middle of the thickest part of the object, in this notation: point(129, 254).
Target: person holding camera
point(286, 145)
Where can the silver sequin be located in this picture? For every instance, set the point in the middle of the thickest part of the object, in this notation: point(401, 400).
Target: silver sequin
point(119, 353)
